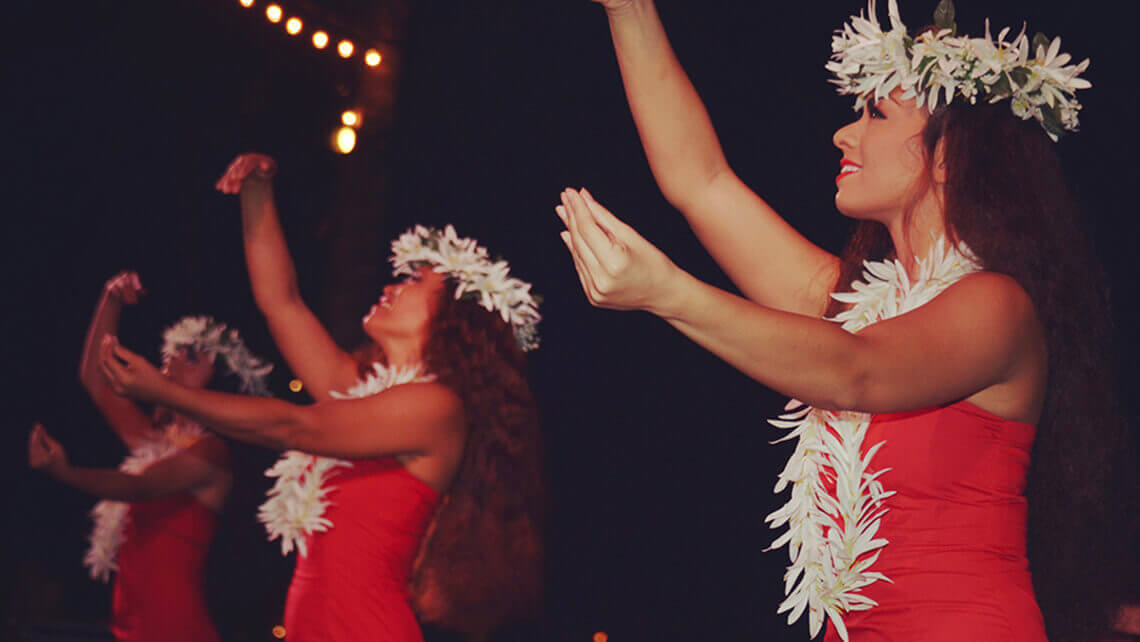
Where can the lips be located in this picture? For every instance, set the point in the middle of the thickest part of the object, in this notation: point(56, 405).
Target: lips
point(846, 168)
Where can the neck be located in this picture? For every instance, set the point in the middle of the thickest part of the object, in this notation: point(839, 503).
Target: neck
point(912, 236)
point(402, 353)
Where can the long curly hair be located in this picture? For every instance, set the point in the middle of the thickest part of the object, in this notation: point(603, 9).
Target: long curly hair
point(1006, 199)
point(481, 560)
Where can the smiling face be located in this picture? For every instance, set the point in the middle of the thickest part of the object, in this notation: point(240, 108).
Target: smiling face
point(883, 160)
point(406, 308)
point(189, 369)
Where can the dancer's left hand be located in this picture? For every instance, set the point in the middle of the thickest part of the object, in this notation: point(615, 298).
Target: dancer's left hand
point(618, 268)
point(45, 453)
point(129, 374)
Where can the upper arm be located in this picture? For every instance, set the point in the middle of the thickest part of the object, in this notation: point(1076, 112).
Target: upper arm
point(204, 463)
point(123, 415)
point(980, 333)
point(771, 263)
point(418, 418)
point(309, 350)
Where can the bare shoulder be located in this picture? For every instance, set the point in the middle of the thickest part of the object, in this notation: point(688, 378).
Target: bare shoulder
point(425, 403)
point(990, 298)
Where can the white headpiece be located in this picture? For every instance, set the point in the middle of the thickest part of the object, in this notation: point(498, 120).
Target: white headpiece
point(486, 282)
point(205, 336)
point(939, 64)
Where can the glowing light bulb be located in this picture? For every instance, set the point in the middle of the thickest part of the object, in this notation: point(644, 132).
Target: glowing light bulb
point(246, 3)
point(320, 40)
point(279, 632)
point(345, 140)
point(372, 58)
point(273, 12)
point(296, 385)
point(601, 636)
point(344, 48)
point(351, 118)
point(293, 26)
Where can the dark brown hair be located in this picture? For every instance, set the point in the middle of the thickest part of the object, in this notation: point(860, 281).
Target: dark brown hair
point(481, 561)
point(1006, 199)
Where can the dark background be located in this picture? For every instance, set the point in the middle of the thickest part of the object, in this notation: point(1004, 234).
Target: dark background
point(121, 115)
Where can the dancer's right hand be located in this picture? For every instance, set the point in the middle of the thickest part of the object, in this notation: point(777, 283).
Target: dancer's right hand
point(247, 167)
point(126, 287)
point(45, 453)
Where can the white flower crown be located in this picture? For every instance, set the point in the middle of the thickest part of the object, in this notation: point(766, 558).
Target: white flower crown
point(870, 63)
point(206, 336)
point(482, 280)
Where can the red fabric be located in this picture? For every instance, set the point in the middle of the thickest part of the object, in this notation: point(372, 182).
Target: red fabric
point(352, 585)
point(159, 593)
point(956, 529)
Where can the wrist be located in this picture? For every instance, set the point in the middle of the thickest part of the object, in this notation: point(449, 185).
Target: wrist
point(674, 294)
point(628, 9)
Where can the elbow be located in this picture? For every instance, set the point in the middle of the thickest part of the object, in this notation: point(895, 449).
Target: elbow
point(849, 386)
point(295, 430)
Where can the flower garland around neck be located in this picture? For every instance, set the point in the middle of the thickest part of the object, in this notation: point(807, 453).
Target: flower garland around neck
point(869, 63)
point(111, 517)
point(831, 534)
point(296, 504)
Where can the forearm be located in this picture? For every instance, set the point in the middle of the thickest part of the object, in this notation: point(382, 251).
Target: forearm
point(674, 126)
point(104, 321)
point(261, 421)
point(272, 275)
point(106, 483)
point(810, 359)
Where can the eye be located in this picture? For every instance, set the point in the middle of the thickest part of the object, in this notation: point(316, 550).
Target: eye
point(874, 112)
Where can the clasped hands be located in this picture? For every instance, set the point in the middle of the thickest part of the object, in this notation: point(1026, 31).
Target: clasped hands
point(618, 268)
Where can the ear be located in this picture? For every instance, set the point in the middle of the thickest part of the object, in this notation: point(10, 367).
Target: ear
point(938, 163)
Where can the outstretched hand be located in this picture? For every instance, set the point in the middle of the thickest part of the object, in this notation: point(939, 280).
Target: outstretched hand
point(245, 168)
point(45, 453)
point(617, 267)
point(129, 374)
point(126, 287)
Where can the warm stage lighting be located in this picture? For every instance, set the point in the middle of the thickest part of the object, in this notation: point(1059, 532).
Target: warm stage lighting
point(345, 140)
point(601, 636)
point(320, 40)
point(372, 58)
point(344, 48)
point(246, 3)
point(296, 385)
point(279, 632)
point(351, 118)
point(273, 12)
point(293, 26)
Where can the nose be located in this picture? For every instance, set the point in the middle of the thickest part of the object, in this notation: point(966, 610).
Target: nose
point(846, 135)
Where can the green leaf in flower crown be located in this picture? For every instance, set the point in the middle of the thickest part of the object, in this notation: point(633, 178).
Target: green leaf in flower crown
point(1051, 121)
point(944, 15)
point(1001, 88)
point(1020, 76)
point(1039, 40)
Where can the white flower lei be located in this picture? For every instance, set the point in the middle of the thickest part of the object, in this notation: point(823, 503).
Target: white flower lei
point(111, 517)
point(489, 283)
point(827, 575)
point(206, 336)
point(870, 63)
point(298, 499)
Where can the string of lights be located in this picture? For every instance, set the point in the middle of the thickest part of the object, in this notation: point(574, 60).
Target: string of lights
point(320, 38)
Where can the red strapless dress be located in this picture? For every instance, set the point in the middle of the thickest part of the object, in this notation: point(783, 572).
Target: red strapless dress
point(956, 529)
point(159, 593)
point(352, 585)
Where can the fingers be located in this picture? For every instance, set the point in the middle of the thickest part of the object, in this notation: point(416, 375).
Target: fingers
point(240, 169)
point(587, 241)
point(583, 274)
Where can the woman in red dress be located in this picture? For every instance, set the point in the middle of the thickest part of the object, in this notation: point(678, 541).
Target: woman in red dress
point(159, 511)
point(412, 485)
point(963, 330)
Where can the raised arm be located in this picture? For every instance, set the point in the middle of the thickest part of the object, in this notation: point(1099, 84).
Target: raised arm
point(191, 470)
point(127, 420)
point(302, 340)
point(766, 258)
point(415, 419)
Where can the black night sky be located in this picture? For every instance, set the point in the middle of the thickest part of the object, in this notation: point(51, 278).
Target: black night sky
point(120, 116)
